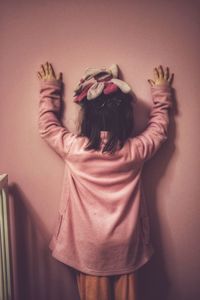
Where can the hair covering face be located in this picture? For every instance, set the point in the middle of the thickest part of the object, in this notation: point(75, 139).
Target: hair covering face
point(97, 81)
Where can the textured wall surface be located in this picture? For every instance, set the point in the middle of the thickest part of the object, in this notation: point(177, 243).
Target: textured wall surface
point(73, 35)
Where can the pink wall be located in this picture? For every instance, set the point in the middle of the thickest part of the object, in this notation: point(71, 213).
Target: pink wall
point(73, 35)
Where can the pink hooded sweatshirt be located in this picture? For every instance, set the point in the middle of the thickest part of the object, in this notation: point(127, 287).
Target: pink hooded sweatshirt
point(103, 225)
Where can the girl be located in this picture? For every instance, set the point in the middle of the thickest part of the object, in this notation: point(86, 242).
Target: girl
point(102, 230)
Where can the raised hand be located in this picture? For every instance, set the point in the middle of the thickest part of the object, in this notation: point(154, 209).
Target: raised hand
point(161, 77)
point(47, 73)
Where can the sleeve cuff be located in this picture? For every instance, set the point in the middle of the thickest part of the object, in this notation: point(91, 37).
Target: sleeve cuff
point(52, 82)
point(161, 87)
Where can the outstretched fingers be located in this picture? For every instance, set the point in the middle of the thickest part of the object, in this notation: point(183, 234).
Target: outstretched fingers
point(156, 73)
point(51, 70)
point(167, 76)
point(166, 73)
point(160, 72)
point(46, 68)
point(161, 76)
point(47, 72)
point(41, 73)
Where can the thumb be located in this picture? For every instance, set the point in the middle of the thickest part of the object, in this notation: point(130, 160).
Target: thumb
point(60, 76)
point(151, 82)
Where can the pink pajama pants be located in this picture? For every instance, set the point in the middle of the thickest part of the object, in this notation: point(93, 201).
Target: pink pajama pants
point(117, 287)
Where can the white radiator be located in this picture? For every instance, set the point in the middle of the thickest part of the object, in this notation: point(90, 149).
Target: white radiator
point(5, 270)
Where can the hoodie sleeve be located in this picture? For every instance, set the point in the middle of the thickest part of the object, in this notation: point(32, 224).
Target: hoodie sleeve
point(50, 128)
point(150, 140)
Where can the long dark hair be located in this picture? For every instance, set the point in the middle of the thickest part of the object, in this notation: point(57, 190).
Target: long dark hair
point(112, 113)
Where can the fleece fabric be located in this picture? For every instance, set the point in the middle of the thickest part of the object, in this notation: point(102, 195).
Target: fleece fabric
point(103, 223)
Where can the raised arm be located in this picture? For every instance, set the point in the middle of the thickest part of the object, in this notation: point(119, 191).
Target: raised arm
point(150, 140)
point(50, 127)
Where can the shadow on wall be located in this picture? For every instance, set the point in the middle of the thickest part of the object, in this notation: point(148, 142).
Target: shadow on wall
point(153, 278)
point(38, 275)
